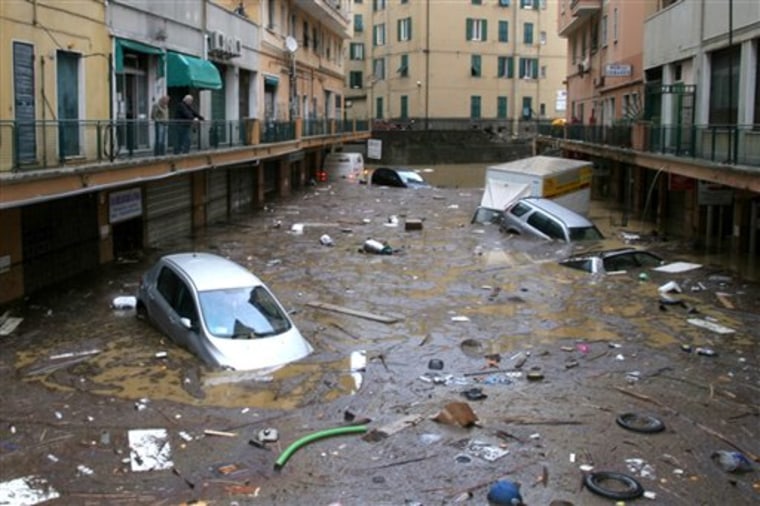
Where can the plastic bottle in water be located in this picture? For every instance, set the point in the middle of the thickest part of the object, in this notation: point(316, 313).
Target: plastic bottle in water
point(373, 246)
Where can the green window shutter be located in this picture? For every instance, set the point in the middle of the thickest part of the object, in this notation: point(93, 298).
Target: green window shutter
point(501, 107)
point(468, 34)
point(398, 29)
point(409, 27)
point(404, 107)
point(503, 31)
point(485, 30)
point(475, 65)
point(500, 66)
point(528, 33)
point(474, 107)
point(403, 69)
point(510, 67)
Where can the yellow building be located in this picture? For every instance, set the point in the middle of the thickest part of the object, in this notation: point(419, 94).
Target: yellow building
point(432, 60)
point(55, 68)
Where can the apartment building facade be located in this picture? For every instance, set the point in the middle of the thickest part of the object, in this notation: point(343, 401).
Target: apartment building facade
point(688, 156)
point(87, 175)
point(431, 61)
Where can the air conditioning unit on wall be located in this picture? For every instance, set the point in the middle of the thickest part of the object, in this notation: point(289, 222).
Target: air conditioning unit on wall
point(216, 41)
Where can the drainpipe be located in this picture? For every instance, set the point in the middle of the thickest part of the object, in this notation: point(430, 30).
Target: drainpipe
point(44, 102)
point(427, 64)
point(515, 67)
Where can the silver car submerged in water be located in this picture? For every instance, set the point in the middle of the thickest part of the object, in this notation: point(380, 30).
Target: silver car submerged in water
point(219, 311)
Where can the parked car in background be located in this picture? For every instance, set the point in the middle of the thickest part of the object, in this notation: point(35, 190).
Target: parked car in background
point(398, 177)
point(343, 165)
point(614, 260)
point(219, 311)
point(545, 218)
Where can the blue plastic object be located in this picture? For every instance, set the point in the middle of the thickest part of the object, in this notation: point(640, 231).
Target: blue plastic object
point(505, 493)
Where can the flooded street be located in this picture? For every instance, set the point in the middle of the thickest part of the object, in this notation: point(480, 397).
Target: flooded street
point(546, 357)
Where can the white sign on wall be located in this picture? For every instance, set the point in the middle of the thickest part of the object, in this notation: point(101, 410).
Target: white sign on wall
point(374, 149)
point(125, 204)
point(561, 103)
point(617, 70)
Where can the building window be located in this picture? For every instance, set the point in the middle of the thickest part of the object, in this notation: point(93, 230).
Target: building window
point(504, 3)
point(724, 100)
point(405, 29)
point(475, 65)
point(378, 68)
point(527, 107)
point(356, 51)
point(403, 69)
point(542, 38)
point(355, 79)
point(542, 110)
point(378, 5)
point(603, 23)
point(404, 107)
point(501, 107)
point(528, 4)
point(305, 35)
point(477, 2)
point(503, 31)
point(270, 14)
point(543, 71)
point(615, 25)
point(528, 68)
point(378, 34)
point(757, 91)
point(505, 67)
point(475, 107)
point(379, 107)
point(476, 29)
point(358, 23)
point(528, 33)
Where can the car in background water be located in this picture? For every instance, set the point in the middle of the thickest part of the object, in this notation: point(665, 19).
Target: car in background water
point(546, 219)
point(220, 312)
point(397, 177)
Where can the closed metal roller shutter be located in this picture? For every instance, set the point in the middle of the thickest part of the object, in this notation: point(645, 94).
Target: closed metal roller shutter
point(216, 206)
point(241, 189)
point(60, 239)
point(168, 206)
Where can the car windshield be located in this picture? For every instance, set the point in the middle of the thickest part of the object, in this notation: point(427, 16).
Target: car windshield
point(242, 313)
point(585, 234)
point(411, 177)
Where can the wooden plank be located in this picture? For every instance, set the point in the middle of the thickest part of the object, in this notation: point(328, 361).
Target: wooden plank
point(353, 312)
point(724, 299)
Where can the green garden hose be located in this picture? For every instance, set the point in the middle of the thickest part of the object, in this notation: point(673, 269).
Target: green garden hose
point(337, 431)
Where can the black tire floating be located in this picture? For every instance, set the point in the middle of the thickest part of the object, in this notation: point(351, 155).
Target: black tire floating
point(637, 422)
point(595, 483)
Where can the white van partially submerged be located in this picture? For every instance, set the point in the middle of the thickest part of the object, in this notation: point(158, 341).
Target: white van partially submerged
point(563, 180)
point(344, 166)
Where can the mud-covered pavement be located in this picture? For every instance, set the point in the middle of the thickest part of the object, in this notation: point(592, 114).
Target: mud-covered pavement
point(79, 377)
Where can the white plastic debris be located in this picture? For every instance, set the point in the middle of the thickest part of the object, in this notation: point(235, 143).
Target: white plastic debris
point(27, 490)
point(83, 469)
point(149, 450)
point(326, 240)
point(185, 436)
point(572, 458)
point(52, 458)
point(620, 357)
point(650, 495)
point(268, 435)
point(715, 327)
point(460, 319)
point(161, 354)
point(670, 287)
point(358, 361)
point(586, 468)
point(124, 302)
point(297, 228)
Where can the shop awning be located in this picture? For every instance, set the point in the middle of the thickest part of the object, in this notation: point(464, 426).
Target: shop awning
point(270, 80)
point(139, 47)
point(185, 70)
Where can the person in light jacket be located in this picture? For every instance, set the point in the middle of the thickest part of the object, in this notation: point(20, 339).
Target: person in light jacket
point(160, 116)
point(185, 116)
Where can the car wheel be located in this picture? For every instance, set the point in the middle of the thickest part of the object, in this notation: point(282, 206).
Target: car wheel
point(637, 422)
point(624, 486)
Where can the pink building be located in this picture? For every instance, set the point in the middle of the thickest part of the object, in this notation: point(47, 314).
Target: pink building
point(605, 75)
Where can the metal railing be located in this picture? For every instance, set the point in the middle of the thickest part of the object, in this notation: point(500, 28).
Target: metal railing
point(37, 145)
point(732, 144)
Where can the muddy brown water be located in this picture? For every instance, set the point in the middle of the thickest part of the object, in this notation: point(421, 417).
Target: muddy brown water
point(461, 292)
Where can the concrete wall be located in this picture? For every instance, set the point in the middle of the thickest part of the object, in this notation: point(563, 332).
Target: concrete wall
point(663, 43)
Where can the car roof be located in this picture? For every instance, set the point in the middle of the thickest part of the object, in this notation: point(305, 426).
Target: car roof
point(610, 253)
point(212, 272)
point(570, 217)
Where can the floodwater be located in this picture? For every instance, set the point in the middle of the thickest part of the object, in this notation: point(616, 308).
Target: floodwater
point(464, 294)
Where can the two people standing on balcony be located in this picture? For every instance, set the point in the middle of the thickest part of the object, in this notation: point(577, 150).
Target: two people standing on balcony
point(185, 116)
point(160, 116)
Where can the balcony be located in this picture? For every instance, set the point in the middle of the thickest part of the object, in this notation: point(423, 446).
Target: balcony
point(720, 144)
point(334, 14)
point(580, 13)
point(92, 154)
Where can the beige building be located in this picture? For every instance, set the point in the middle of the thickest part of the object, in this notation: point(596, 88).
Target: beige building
point(605, 73)
point(435, 60)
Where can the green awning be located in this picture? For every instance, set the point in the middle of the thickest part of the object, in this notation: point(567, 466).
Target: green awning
point(185, 70)
point(139, 47)
point(271, 80)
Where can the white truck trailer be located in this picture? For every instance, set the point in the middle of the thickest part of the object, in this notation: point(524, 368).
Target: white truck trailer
point(564, 180)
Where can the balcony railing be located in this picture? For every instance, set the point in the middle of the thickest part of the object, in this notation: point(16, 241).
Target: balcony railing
point(37, 145)
point(733, 144)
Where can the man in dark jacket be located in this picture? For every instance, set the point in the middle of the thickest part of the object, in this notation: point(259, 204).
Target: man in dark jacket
point(185, 116)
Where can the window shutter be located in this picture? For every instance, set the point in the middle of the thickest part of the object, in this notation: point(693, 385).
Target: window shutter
point(485, 30)
point(468, 35)
point(510, 67)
